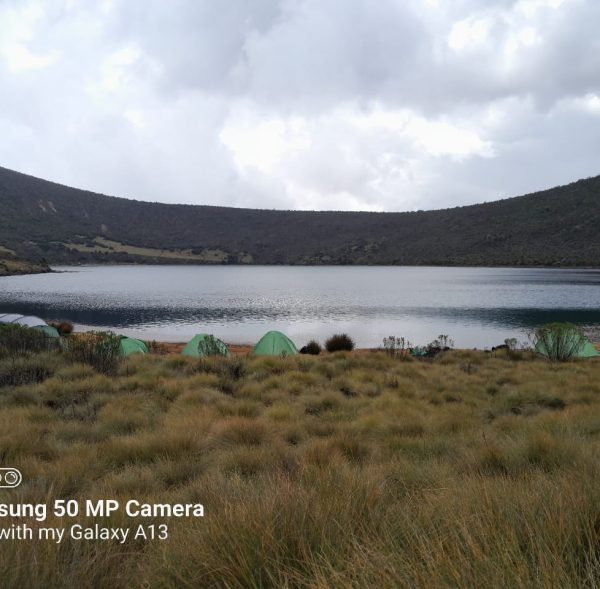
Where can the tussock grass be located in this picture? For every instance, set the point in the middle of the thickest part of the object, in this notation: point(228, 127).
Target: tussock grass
point(344, 470)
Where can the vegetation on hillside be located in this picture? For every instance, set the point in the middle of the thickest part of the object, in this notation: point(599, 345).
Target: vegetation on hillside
point(339, 470)
point(66, 225)
point(11, 264)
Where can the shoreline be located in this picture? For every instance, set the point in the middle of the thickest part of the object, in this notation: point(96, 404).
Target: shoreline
point(330, 265)
point(52, 268)
point(22, 268)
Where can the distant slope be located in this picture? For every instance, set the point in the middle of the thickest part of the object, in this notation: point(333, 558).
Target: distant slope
point(44, 220)
point(11, 264)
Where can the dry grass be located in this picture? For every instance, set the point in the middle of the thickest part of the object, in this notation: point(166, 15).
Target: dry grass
point(348, 470)
point(111, 246)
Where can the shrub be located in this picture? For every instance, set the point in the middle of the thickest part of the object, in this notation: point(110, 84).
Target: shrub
point(339, 342)
point(210, 346)
point(17, 340)
point(511, 348)
point(313, 347)
point(559, 341)
point(396, 346)
point(63, 327)
point(442, 343)
point(98, 349)
point(445, 342)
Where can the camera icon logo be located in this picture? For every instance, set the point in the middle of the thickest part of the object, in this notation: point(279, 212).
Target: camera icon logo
point(10, 478)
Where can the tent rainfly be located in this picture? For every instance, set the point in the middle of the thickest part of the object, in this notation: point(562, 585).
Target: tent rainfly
point(130, 345)
point(275, 343)
point(586, 350)
point(204, 344)
point(28, 321)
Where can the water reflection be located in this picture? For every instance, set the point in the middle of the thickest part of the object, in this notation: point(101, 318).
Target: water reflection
point(479, 306)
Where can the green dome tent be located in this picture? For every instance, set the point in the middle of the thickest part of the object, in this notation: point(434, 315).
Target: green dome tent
point(130, 345)
point(587, 350)
point(275, 343)
point(204, 344)
point(562, 341)
point(48, 330)
point(28, 321)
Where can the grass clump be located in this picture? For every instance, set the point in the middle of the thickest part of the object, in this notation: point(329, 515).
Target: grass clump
point(99, 349)
point(345, 470)
point(17, 340)
point(28, 370)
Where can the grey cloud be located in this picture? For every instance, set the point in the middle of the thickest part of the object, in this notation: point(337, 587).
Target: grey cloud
point(139, 94)
point(200, 45)
point(326, 52)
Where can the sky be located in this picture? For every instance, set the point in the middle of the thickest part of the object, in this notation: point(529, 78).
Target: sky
point(387, 105)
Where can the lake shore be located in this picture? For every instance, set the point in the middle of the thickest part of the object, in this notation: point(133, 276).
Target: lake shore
point(170, 348)
point(18, 267)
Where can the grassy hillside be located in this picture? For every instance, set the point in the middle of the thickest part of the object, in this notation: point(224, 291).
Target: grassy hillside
point(348, 470)
point(46, 220)
point(11, 264)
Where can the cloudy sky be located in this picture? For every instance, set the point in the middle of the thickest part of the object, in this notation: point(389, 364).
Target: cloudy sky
point(304, 104)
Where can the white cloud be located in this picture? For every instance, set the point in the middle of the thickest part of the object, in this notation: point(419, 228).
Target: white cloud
point(301, 103)
point(469, 33)
point(444, 138)
point(18, 32)
point(18, 58)
point(530, 7)
point(348, 157)
point(264, 142)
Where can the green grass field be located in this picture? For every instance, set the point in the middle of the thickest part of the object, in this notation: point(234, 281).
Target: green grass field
point(345, 470)
point(108, 246)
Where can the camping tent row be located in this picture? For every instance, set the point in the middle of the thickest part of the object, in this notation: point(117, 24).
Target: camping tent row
point(127, 345)
point(28, 321)
point(273, 343)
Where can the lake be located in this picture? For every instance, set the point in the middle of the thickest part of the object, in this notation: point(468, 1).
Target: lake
point(476, 307)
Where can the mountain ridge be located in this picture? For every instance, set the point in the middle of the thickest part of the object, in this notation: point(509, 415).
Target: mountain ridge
point(47, 221)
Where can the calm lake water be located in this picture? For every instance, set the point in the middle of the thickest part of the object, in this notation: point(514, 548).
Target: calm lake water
point(475, 306)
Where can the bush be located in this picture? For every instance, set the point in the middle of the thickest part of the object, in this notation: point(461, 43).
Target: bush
point(99, 349)
point(313, 347)
point(211, 346)
point(17, 340)
point(339, 342)
point(396, 346)
point(63, 327)
point(559, 341)
point(442, 343)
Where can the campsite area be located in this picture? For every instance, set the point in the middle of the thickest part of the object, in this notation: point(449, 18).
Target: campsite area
point(348, 469)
